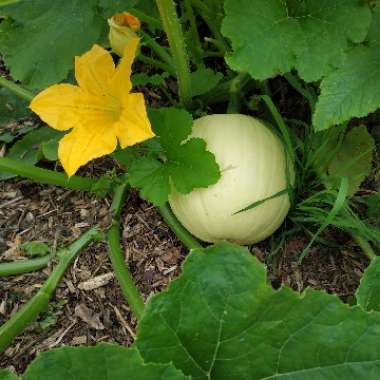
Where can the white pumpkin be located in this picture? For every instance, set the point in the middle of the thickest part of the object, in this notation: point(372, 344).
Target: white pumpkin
point(253, 167)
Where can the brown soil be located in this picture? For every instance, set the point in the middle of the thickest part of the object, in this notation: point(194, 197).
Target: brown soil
point(30, 212)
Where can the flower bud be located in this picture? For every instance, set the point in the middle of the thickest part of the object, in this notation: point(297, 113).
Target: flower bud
point(122, 28)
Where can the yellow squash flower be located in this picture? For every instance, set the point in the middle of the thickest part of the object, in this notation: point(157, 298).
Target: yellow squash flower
point(101, 111)
point(122, 28)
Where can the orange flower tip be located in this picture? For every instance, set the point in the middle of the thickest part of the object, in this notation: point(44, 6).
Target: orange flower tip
point(127, 19)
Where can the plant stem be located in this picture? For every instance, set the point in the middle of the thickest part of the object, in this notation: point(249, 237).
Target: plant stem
point(122, 274)
point(196, 45)
point(295, 82)
point(24, 266)
point(209, 19)
point(176, 39)
point(365, 246)
point(157, 48)
point(16, 89)
point(44, 175)
point(235, 92)
point(39, 302)
point(154, 62)
point(152, 21)
point(182, 234)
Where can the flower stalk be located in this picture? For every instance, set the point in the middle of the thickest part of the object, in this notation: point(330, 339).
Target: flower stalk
point(46, 176)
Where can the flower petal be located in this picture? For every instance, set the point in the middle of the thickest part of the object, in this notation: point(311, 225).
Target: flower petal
point(84, 144)
point(121, 83)
point(94, 69)
point(56, 106)
point(134, 125)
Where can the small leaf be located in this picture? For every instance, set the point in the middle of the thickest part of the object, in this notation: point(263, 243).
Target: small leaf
point(102, 362)
point(353, 160)
point(35, 248)
point(368, 293)
point(28, 149)
point(151, 177)
point(142, 79)
point(221, 319)
point(8, 137)
point(186, 165)
point(11, 107)
point(50, 149)
point(204, 80)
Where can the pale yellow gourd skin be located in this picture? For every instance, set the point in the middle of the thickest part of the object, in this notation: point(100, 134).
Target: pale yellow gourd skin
point(253, 167)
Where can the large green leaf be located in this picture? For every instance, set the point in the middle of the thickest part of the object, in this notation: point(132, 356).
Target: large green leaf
point(41, 37)
point(353, 90)
point(222, 320)
point(102, 362)
point(270, 37)
point(353, 159)
point(186, 164)
point(110, 7)
point(368, 293)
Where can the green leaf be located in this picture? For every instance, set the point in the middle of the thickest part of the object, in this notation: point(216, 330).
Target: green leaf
point(35, 248)
point(274, 36)
point(41, 38)
point(142, 79)
point(152, 178)
point(50, 149)
point(222, 320)
point(11, 107)
point(110, 7)
point(102, 362)
point(204, 80)
point(353, 159)
point(28, 149)
point(353, 90)
point(368, 293)
point(186, 165)
point(6, 374)
point(8, 136)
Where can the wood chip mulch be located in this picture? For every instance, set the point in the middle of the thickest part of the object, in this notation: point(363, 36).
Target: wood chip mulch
point(88, 306)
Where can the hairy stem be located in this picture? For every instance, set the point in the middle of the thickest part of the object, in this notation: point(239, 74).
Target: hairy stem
point(196, 45)
point(122, 274)
point(16, 89)
point(235, 92)
point(365, 246)
point(182, 234)
point(175, 36)
point(156, 63)
point(157, 48)
point(39, 302)
point(210, 19)
point(44, 175)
